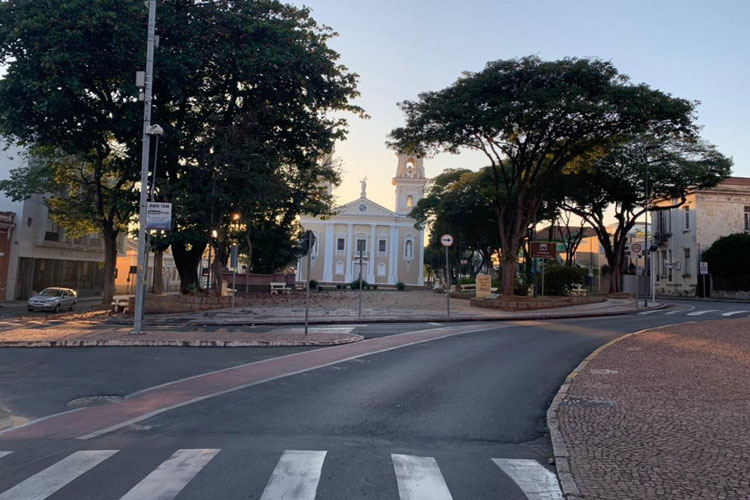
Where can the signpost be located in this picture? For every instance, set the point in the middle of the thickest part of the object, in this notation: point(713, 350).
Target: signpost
point(158, 216)
point(234, 257)
point(543, 250)
point(635, 248)
point(447, 240)
point(704, 272)
point(308, 240)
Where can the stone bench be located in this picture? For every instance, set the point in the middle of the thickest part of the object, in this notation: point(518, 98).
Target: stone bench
point(279, 287)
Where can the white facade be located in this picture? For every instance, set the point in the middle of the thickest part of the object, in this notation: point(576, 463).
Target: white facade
point(683, 233)
point(392, 249)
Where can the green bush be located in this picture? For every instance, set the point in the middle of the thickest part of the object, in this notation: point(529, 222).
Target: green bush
point(559, 279)
point(400, 286)
point(338, 287)
point(466, 281)
point(355, 285)
point(313, 284)
point(728, 256)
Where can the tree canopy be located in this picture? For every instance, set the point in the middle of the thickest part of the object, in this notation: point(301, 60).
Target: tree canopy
point(531, 119)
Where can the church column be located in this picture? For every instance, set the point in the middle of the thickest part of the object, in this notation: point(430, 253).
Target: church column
point(328, 255)
point(420, 277)
point(371, 266)
point(349, 253)
point(393, 263)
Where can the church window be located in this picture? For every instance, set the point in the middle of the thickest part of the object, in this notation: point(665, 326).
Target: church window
point(410, 201)
point(340, 244)
point(409, 249)
point(381, 269)
point(382, 246)
point(361, 245)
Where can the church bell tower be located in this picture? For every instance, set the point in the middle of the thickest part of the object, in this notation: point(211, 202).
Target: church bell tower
point(409, 181)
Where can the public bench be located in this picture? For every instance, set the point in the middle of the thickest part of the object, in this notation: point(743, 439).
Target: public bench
point(579, 291)
point(471, 286)
point(120, 303)
point(279, 287)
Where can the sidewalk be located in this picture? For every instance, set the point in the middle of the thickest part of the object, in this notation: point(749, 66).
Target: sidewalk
point(294, 314)
point(663, 414)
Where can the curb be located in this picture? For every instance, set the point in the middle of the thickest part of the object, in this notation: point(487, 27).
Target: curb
point(346, 321)
point(179, 343)
point(559, 448)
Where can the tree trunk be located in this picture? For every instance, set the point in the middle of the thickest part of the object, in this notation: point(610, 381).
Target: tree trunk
point(187, 262)
point(158, 283)
point(509, 264)
point(110, 265)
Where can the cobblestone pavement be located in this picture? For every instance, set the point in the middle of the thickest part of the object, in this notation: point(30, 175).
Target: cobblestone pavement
point(664, 415)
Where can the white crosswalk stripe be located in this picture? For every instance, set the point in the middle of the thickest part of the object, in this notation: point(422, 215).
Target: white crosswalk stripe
point(732, 313)
point(674, 312)
point(167, 480)
point(51, 479)
point(535, 481)
point(700, 313)
point(296, 476)
point(644, 313)
point(419, 478)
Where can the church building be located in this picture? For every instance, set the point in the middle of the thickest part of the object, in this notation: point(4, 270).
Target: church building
point(390, 248)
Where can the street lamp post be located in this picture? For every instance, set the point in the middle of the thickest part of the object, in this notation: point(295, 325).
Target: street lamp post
point(646, 250)
point(140, 290)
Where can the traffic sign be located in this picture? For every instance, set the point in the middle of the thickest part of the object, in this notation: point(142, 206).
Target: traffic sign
point(636, 248)
point(704, 267)
point(446, 240)
point(543, 250)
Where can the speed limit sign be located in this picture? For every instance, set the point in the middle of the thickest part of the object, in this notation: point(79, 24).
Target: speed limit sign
point(446, 240)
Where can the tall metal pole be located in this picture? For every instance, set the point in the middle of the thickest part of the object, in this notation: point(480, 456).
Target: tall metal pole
point(309, 274)
point(646, 251)
point(360, 282)
point(140, 289)
point(447, 284)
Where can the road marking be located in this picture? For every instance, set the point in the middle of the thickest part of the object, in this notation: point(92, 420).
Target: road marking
point(434, 324)
point(700, 313)
point(86, 423)
point(674, 312)
point(535, 481)
point(732, 313)
point(419, 478)
point(5, 453)
point(649, 312)
point(51, 479)
point(167, 480)
point(296, 476)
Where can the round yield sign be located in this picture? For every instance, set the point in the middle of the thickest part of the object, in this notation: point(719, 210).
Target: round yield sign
point(446, 240)
point(636, 248)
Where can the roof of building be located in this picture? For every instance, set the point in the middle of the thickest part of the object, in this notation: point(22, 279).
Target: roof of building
point(737, 181)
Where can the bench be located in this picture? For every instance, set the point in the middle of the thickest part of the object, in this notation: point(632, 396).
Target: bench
point(579, 291)
point(120, 303)
point(279, 287)
point(472, 286)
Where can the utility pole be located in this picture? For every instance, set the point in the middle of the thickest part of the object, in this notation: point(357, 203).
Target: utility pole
point(140, 289)
point(646, 250)
point(360, 280)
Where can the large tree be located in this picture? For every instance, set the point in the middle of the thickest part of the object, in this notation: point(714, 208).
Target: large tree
point(615, 187)
point(457, 202)
point(532, 118)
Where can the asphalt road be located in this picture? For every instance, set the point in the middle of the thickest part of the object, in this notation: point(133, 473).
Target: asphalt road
point(457, 402)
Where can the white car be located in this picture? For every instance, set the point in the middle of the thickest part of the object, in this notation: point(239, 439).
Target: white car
point(53, 299)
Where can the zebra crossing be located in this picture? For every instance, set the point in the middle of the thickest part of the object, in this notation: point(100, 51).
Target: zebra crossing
point(295, 477)
point(740, 313)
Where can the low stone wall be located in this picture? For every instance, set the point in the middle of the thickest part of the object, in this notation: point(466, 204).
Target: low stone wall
point(531, 304)
point(157, 304)
point(731, 294)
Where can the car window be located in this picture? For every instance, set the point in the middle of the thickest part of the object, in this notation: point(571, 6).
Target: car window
point(51, 292)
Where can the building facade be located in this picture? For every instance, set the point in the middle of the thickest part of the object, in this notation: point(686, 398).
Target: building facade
point(383, 243)
point(683, 233)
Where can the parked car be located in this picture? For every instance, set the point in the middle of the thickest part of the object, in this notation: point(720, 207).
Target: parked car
point(53, 299)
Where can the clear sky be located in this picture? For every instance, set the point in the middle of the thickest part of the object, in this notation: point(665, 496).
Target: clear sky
point(695, 49)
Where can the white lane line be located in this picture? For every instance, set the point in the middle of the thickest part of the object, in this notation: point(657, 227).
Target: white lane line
point(296, 476)
point(649, 312)
point(419, 478)
point(535, 481)
point(732, 313)
point(674, 312)
point(434, 324)
point(5, 453)
point(54, 477)
point(700, 313)
point(167, 480)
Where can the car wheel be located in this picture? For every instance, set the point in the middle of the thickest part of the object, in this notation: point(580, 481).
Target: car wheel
point(30, 309)
point(57, 308)
point(72, 307)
